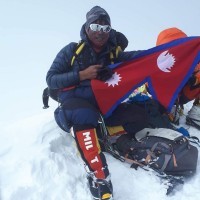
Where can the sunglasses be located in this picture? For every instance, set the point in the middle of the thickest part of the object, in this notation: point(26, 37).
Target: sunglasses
point(98, 27)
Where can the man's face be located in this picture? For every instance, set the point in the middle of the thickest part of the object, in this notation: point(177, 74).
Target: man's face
point(98, 38)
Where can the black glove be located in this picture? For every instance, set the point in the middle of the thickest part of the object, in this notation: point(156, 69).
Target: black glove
point(104, 73)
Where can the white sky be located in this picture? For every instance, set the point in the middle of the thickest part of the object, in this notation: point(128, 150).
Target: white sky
point(33, 31)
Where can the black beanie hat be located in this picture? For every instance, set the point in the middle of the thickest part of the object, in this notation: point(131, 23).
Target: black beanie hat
point(96, 13)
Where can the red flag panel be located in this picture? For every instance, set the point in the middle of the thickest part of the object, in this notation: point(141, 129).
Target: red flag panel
point(166, 68)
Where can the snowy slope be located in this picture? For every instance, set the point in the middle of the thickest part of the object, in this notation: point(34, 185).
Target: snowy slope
point(38, 161)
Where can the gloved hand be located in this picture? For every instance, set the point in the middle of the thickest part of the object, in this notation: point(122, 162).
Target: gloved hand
point(104, 73)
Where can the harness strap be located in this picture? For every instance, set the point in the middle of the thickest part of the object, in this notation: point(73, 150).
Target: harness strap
point(77, 52)
point(148, 158)
point(167, 159)
point(154, 146)
point(81, 45)
point(174, 160)
point(118, 49)
point(68, 88)
point(112, 57)
point(150, 153)
point(131, 161)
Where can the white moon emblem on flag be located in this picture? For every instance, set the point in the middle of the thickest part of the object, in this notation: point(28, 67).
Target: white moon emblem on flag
point(165, 61)
point(114, 80)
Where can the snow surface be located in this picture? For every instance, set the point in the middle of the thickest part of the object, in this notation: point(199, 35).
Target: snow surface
point(39, 161)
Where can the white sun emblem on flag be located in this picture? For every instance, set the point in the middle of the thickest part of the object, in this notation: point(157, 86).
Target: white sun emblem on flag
point(165, 61)
point(114, 80)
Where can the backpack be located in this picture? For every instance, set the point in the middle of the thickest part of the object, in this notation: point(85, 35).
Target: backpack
point(53, 93)
point(164, 150)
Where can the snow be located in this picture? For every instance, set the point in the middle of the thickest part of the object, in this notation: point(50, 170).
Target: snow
point(39, 161)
